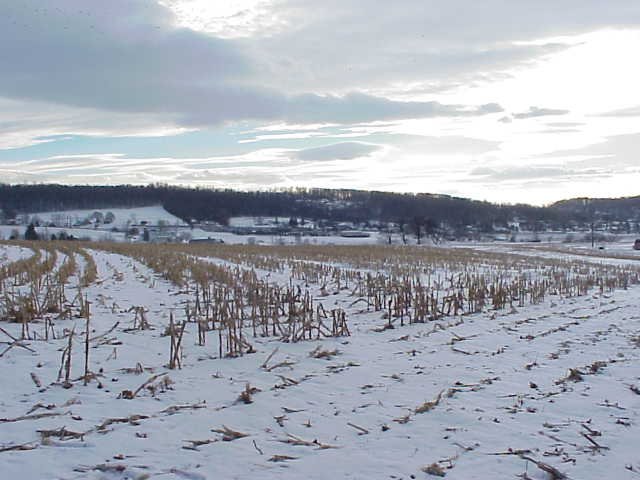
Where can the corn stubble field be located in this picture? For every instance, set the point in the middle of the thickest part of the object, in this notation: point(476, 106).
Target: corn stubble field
point(139, 361)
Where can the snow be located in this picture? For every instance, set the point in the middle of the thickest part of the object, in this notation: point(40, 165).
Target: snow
point(11, 253)
point(610, 249)
point(613, 254)
point(81, 233)
point(68, 221)
point(152, 215)
point(257, 221)
point(234, 239)
point(502, 375)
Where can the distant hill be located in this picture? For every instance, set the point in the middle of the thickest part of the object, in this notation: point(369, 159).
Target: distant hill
point(202, 204)
point(620, 209)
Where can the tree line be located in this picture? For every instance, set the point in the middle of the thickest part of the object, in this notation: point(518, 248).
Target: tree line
point(339, 205)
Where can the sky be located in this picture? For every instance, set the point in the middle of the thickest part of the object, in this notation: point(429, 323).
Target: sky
point(507, 101)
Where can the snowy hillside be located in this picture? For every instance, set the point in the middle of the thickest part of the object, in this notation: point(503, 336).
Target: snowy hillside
point(121, 216)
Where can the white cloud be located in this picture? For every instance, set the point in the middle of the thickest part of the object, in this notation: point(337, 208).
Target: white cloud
point(337, 151)
point(237, 19)
point(24, 123)
point(615, 152)
point(623, 112)
point(534, 112)
point(340, 45)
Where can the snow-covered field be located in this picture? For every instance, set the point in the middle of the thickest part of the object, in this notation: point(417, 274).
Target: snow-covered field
point(534, 391)
point(6, 231)
point(233, 239)
point(121, 216)
point(81, 223)
point(621, 253)
point(69, 222)
point(11, 253)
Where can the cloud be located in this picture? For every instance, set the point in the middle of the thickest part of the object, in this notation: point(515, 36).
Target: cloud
point(446, 145)
point(425, 43)
point(129, 57)
point(618, 152)
point(559, 130)
point(114, 55)
point(623, 112)
point(358, 107)
point(337, 151)
point(25, 123)
point(564, 124)
point(534, 112)
point(95, 70)
point(520, 173)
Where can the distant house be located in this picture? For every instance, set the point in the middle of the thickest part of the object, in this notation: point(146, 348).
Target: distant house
point(354, 234)
point(636, 245)
point(205, 240)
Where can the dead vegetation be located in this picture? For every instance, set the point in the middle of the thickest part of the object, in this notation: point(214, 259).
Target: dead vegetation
point(299, 442)
point(430, 405)
point(235, 310)
point(228, 434)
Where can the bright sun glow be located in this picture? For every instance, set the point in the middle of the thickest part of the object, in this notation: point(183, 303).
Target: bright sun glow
point(223, 18)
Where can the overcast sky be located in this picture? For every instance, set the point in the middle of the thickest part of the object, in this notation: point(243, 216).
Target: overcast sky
point(500, 100)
